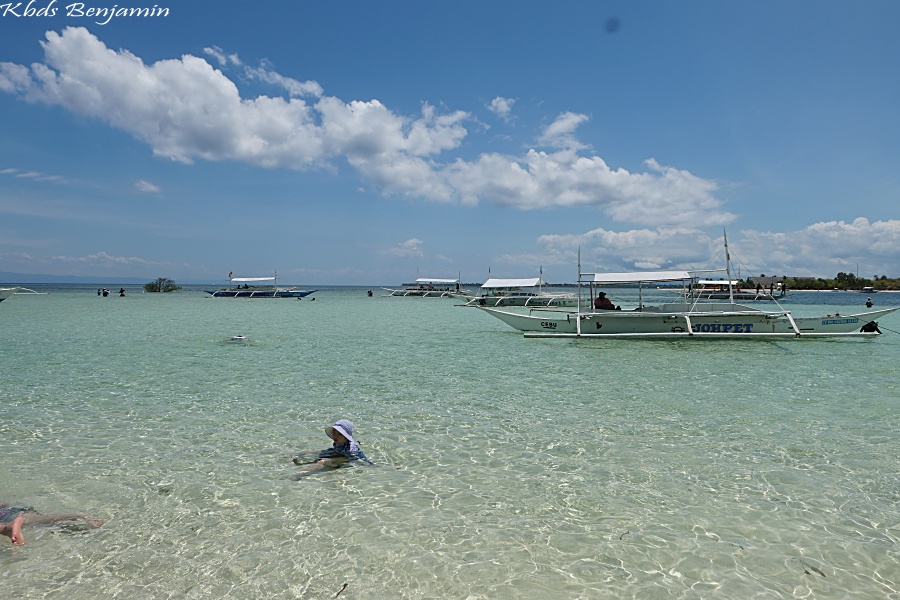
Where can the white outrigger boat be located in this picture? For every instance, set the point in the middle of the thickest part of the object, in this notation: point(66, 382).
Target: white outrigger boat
point(426, 287)
point(683, 319)
point(18, 290)
point(520, 292)
point(714, 289)
point(236, 290)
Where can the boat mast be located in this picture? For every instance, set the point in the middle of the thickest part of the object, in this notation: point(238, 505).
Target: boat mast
point(728, 268)
point(579, 279)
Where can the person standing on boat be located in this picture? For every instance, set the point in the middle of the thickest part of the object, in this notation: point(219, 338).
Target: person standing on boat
point(601, 302)
point(344, 449)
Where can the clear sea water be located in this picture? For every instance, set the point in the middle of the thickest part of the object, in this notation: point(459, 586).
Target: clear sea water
point(506, 467)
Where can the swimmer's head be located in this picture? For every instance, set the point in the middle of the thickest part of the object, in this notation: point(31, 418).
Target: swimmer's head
point(343, 427)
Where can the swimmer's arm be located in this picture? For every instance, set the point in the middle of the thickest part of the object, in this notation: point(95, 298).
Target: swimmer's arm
point(305, 457)
point(321, 465)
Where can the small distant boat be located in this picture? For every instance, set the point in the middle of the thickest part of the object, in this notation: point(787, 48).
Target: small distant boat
point(426, 287)
point(867, 290)
point(238, 339)
point(240, 287)
point(716, 289)
point(520, 292)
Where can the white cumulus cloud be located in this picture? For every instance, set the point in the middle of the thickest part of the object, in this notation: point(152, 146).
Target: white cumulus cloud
point(820, 250)
point(185, 109)
point(502, 107)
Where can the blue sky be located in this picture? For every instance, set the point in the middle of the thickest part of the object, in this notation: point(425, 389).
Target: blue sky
point(368, 143)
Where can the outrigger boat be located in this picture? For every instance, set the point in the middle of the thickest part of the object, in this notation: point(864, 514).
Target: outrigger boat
point(425, 287)
point(18, 290)
point(236, 290)
point(684, 319)
point(520, 292)
point(714, 289)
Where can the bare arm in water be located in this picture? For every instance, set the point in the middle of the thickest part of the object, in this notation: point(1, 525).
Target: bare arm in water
point(13, 529)
point(323, 464)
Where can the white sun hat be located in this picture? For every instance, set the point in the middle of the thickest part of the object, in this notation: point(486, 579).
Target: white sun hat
point(344, 427)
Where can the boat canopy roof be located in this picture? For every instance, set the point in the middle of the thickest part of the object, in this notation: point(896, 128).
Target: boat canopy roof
point(718, 282)
point(637, 277)
point(509, 283)
point(252, 279)
point(431, 280)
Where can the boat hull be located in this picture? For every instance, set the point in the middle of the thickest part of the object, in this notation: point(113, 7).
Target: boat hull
point(672, 323)
point(524, 300)
point(251, 293)
point(424, 293)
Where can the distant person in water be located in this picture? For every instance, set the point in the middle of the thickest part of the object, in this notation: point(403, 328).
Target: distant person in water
point(13, 518)
point(344, 449)
point(601, 302)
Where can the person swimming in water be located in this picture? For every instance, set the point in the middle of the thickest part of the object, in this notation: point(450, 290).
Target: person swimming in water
point(344, 449)
point(14, 518)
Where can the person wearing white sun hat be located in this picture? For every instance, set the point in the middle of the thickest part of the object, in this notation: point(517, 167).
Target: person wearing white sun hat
point(344, 449)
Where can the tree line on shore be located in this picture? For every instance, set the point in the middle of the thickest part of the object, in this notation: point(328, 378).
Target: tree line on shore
point(842, 281)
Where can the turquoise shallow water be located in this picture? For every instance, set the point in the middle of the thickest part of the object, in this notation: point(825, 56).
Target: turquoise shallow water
point(506, 467)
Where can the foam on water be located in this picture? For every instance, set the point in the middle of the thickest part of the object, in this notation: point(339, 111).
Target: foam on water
point(506, 467)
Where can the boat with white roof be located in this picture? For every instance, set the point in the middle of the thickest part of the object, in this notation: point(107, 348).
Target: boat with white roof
point(686, 318)
point(429, 287)
point(520, 292)
point(240, 287)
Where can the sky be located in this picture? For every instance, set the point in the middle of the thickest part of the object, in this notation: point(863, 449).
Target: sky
point(375, 142)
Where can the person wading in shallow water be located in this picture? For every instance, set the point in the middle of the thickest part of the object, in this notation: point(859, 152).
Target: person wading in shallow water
point(344, 449)
point(13, 518)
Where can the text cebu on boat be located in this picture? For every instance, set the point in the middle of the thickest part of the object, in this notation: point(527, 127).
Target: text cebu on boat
point(250, 287)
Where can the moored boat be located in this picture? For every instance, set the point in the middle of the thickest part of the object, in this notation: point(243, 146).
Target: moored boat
point(7, 292)
point(520, 292)
point(235, 289)
point(680, 320)
point(714, 289)
point(427, 287)
point(692, 317)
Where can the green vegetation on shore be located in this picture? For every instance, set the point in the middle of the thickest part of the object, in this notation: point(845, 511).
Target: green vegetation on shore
point(842, 281)
point(162, 284)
